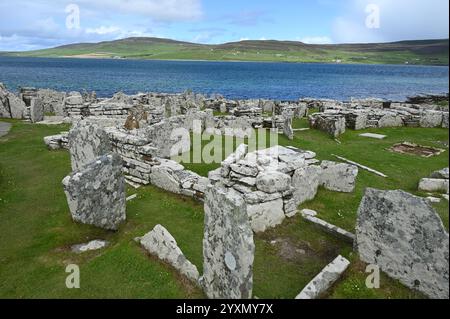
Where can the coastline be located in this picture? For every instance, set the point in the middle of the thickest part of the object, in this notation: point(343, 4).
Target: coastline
point(87, 57)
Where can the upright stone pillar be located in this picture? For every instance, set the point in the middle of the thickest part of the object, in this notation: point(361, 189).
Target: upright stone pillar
point(96, 193)
point(228, 247)
point(87, 141)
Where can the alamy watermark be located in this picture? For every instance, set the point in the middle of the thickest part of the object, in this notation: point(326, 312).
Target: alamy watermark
point(73, 16)
point(211, 145)
point(373, 20)
point(73, 279)
point(373, 280)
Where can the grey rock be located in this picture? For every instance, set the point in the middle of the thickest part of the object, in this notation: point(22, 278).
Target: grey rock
point(17, 107)
point(442, 174)
point(36, 110)
point(163, 177)
point(338, 177)
point(273, 182)
point(403, 235)
point(266, 215)
point(433, 185)
point(445, 120)
point(96, 194)
point(92, 245)
point(227, 237)
point(325, 279)
point(87, 141)
point(431, 118)
point(306, 183)
point(390, 120)
point(161, 243)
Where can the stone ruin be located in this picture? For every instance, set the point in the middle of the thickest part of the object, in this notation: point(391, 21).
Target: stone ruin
point(332, 124)
point(404, 236)
point(275, 181)
point(251, 192)
point(335, 117)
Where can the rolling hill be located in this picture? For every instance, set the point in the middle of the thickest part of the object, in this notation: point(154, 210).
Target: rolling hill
point(424, 52)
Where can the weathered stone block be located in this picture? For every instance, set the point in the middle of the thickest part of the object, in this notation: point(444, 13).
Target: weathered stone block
point(266, 215)
point(325, 279)
point(433, 185)
point(36, 110)
point(305, 183)
point(338, 177)
point(403, 235)
point(228, 247)
point(431, 118)
point(96, 194)
point(161, 243)
point(273, 182)
point(87, 141)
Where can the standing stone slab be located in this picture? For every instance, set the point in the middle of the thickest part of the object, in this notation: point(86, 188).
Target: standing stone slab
point(266, 215)
point(287, 125)
point(87, 141)
point(162, 244)
point(306, 183)
point(403, 235)
point(17, 106)
point(96, 194)
point(228, 247)
point(338, 177)
point(36, 110)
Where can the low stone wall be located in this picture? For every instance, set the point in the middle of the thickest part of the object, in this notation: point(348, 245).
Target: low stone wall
point(335, 120)
point(275, 181)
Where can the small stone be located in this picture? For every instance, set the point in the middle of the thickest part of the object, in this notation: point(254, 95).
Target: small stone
point(308, 212)
point(92, 245)
point(375, 136)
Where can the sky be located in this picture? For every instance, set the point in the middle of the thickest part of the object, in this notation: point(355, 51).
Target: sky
point(36, 24)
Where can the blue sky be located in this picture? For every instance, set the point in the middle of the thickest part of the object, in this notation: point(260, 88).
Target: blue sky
point(35, 24)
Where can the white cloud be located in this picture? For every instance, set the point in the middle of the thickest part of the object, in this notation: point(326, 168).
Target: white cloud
point(103, 30)
point(317, 40)
point(161, 10)
point(36, 24)
point(399, 20)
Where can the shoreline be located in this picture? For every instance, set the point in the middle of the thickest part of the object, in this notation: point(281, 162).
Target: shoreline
point(85, 57)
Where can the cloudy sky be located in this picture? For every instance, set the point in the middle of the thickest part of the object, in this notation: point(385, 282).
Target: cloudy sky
point(35, 24)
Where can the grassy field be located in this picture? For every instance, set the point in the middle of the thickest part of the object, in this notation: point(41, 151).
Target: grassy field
point(36, 229)
point(428, 52)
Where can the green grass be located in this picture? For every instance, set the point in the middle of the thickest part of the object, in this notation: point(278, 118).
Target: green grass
point(433, 52)
point(36, 229)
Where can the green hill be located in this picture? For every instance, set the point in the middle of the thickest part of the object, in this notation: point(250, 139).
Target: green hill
point(426, 52)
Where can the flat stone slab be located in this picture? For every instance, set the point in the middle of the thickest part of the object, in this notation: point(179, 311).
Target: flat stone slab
point(329, 228)
point(4, 128)
point(325, 279)
point(92, 245)
point(161, 243)
point(372, 135)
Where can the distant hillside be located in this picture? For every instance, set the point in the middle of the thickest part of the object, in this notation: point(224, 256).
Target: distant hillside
point(426, 52)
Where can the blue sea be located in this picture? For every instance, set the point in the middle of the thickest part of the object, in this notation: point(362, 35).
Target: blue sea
point(235, 80)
